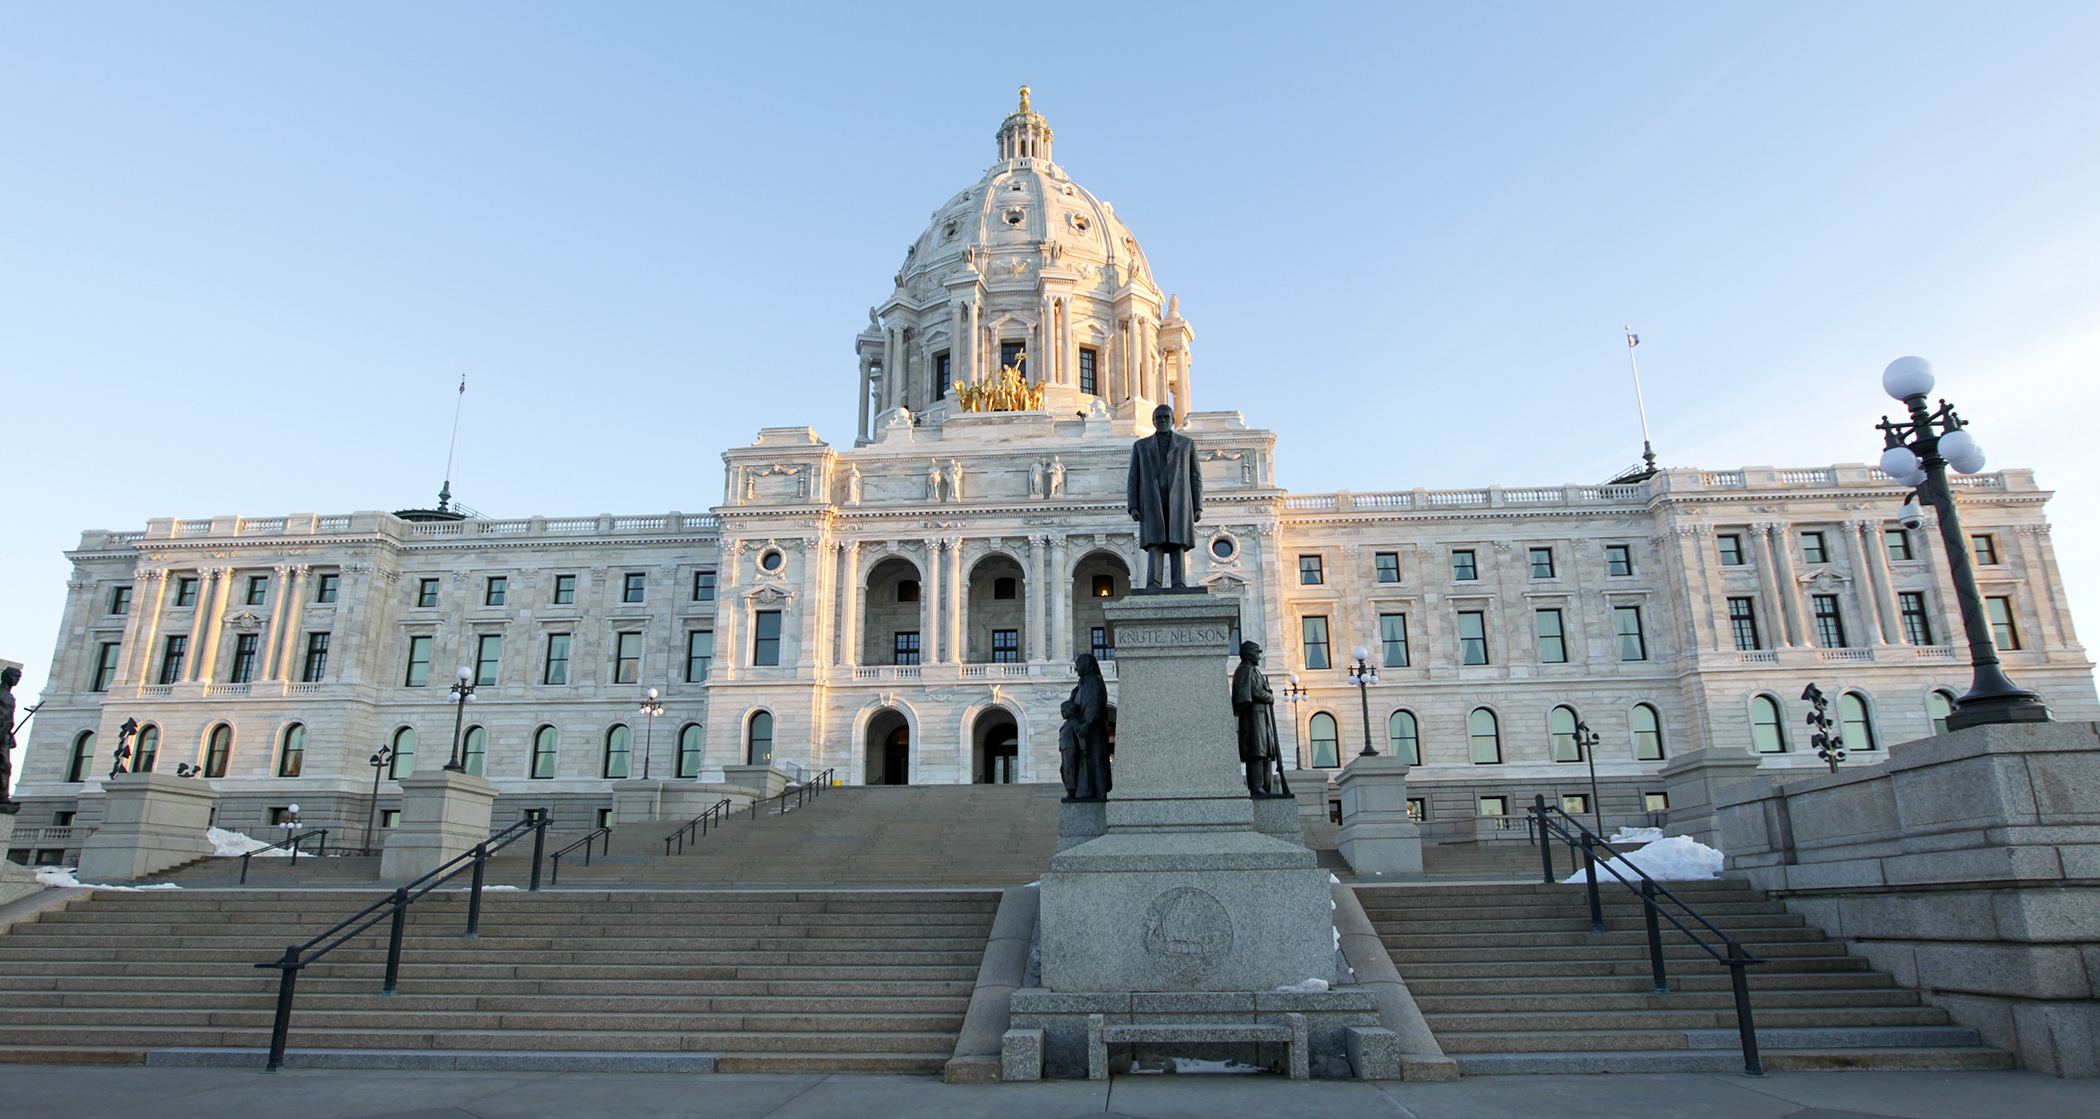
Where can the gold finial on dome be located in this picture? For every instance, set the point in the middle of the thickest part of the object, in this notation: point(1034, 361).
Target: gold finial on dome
point(1024, 134)
point(1024, 98)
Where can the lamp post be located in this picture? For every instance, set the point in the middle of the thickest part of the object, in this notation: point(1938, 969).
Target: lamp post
point(1829, 747)
point(1918, 453)
point(462, 694)
point(379, 764)
point(1587, 740)
point(1363, 676)
point(651, 707)
point(1295, 695)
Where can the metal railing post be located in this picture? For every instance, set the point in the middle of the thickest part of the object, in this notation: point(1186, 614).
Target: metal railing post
point(1745, 1027)
point(481, 858)
point(392, 984)
point(539, 848)
point(1655, 937)
point(1589, 868)
point(1538, 811)
point(287, 975)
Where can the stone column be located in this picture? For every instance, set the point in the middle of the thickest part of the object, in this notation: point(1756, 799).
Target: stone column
point(1038, 623)
point(1884, 584)
point(150, 822)
point(273, 630)
point(1376, 836)
point(2043, 583)
point(142, 632)
point(1780, 556)
point(204, 628)
point(930, 604)
point(443, 815)
point(1863, 582)
point(1058, 581)
point(892, 370)
point(1690, 781)
point(292, 605)
point(958, 605)
point(865, 389)
point(849, 603)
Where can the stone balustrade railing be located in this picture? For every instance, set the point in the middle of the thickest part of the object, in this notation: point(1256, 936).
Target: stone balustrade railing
point(386, 524)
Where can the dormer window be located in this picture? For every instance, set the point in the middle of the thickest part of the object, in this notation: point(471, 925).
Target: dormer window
point(948, 232)
point(1016, 216)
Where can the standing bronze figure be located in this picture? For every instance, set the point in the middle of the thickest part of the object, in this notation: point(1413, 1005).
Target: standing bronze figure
point(9, 677)
point(1255, 705)
point(1166, 497)
point(1083, 740)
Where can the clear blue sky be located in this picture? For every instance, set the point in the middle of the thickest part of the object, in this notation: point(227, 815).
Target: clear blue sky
point(247, 250)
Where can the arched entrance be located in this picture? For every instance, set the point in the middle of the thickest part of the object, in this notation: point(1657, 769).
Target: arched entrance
point(998, 633)
point(889, 630)
point(1098, 578)
point(888, 750)
point(995, 753)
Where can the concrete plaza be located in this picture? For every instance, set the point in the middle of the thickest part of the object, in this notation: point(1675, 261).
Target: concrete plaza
point(85, 1092)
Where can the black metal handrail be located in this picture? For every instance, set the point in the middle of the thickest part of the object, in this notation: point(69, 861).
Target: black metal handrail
point(554, 870)
point(1731, 953)
point(395, 905)
point(696, 827)
point(810, 789)
point(292, 844)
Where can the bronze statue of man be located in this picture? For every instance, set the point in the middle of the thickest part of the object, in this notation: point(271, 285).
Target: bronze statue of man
point(1166, 497)
point(1255, 705)
point(1086, 771)
point(9, 677)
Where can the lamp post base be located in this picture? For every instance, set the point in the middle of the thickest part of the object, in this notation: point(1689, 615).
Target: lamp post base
point(2017, 707)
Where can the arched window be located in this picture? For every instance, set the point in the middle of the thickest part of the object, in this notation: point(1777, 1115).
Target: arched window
point(474, 750)
point(1856, 727)
point(546, 743)
point(1403, 737)
point(147, 752)
point(1767, 730)
point(1939, 705)
point(692, 747)
point(218, 750)
point(291, 753)
point(1486, 734)
point(760, 750)
point(1647, 734)
point(404, 762)
point(619, 750)
point(83, 756)
point(1560, 723)
point(1326, 742)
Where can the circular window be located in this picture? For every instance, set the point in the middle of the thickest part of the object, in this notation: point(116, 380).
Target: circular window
point(1223, 547)
point(771, 561)
point(1015, 216)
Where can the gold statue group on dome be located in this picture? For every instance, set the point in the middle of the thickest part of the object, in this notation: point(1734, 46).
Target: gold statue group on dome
point(1007, 391)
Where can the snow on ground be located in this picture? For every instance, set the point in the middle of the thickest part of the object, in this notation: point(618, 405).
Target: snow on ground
point(225, 842)
point(63, 877)
point(1306, 986)
point(1680, 858)
point(1630, 836)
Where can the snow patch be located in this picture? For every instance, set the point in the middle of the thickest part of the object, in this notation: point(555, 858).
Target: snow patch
point(1332, 880)
point(62, 877)
point(1177, 1065)
point(1680, 858)
point(1306, 987)
point(1625, 836)
point(225, 842)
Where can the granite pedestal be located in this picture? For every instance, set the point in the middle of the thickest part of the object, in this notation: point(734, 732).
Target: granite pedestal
point(1377, 837)
point(150, 822)
point(15, 881)
point(443, 815)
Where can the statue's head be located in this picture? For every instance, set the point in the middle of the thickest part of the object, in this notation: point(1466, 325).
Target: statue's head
point(1163, 419)
point(1250, 652)
point(1087, 665)
point(10, 676)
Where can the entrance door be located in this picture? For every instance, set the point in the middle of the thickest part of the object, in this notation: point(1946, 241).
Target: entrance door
point(1002, 749)
point(896, 757)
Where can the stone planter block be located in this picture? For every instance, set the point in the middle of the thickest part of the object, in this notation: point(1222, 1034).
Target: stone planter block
point(150, 822)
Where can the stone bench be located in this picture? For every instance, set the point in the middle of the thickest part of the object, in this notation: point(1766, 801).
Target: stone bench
point(1100, 1035)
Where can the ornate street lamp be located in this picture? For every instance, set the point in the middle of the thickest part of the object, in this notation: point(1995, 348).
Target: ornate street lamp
point(1295, 695)
point(379, 763)
point(651, 707)
point(1587, 739)
point(1363, 676)
point(1918, 454)
point(462, 694)
point(1829, 747)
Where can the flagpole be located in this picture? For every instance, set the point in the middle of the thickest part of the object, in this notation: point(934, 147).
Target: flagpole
point(1632, 340)
point(445, 494)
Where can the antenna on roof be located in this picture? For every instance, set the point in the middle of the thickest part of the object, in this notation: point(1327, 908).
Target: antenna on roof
point(445, 492)
point(1647, 467)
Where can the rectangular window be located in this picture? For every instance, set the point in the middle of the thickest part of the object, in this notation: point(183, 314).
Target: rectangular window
point(557, 671)
point(765, 638)
point(488, 656)
point(258, 590)
point(564, 590)
point(105, 667)
point(904, 647)
point(1542, 563)
point(1310, 573)
point(1633, 644)
point(2004, 633)
point(1103, 651)
point(316, 659)
point(426, 593)
point(1897, 541)
point(1006, 646)
point(497, 589)
point(1731, 545)
point(177, 648)
point(1463, 566)
point(627, 654)
point(1472, 637)
point(907, 590)
point(1655, 802)
point(1917, 629)
point(634, 586)
point(1392, 635)
point(1574, 804)
point(120, 600)
point(1813, 549)
point(1388, 565)
point(418, 674)
point(1618, 559)
point(389, 818)
point(325, 587)
point(699, 654)
point(245, 647)
point(1315, 629)
point(940, 376)
point(185, 591)
point(1742, 622)
point(1830, 626)
point(1005, 588)
point(1089, 366)
point(703, 586)
point(1014, 355)
point(1494, 806)
point(1553, 638)
point(1986, 548)
point(1418, 809)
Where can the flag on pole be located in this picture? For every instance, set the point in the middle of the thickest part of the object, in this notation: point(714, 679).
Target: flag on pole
point(1632, 340)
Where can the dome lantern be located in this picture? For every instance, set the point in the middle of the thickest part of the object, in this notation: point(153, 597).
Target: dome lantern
point(1024, 134)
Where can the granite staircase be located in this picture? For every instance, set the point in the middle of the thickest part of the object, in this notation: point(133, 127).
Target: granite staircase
point(1511, 979)
point(752, 981)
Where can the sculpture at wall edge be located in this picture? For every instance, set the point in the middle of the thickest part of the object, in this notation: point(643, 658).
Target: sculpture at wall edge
point(1255, 707)
point(1007, 390)
point(1082, 742)
point(9, 677)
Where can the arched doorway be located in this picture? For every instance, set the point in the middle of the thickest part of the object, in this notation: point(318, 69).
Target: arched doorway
point(889, 630)
point(888, 748)
point(995, 748)
point(1098, 578)
point(998, 593)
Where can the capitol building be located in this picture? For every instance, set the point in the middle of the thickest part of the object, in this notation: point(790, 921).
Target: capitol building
point(906, 609)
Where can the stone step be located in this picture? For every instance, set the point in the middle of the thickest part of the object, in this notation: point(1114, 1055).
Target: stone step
point(805, 955)
point(1576, 954)
point(1560, 921)
point(253, 982)
point(259, 1017)
point(1547, 936)
point(151, 1037)
point(1720, 1061)
point(1721, 998)
point(33, 946)
point(1627, 979)
point(1822, 1015)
